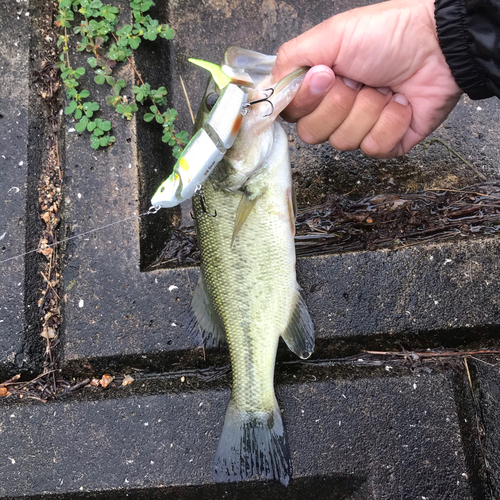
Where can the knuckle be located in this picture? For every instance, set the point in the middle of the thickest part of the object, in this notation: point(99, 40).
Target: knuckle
point(285, 53)
point(372, 147)
point(393, 121)
point(336, 104)
point(369, 103)
point(339, 141)
point(308, 133)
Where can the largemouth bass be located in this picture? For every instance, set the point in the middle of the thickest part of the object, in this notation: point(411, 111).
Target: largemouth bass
point(248, 295)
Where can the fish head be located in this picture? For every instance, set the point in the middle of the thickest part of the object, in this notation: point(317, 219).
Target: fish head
point(255, 137)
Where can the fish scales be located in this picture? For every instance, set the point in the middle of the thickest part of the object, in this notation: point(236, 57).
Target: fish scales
point(252, 284)
point(247, 295)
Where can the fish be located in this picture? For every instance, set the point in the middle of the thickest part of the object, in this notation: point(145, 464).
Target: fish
point(247, 295)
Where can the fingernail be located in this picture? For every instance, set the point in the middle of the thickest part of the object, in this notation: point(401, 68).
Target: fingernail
point(401, 99)
point(320, 82)
point(383, 90)
point(353, 84)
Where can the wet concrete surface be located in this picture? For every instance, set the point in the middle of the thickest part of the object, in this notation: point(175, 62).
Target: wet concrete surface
point(486, 383)
point(374, 436)
point(17, 186)
point(355, 433)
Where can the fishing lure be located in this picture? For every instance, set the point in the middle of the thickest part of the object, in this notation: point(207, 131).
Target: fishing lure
point(210, 143)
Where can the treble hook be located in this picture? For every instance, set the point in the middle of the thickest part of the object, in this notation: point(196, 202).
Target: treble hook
point(199, 192)
point(248, 105)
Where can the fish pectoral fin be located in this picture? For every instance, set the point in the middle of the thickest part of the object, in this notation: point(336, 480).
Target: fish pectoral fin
point(204, 326)
point(299, 334)
point(292, 212)
point(244, 208)
point(294, 202)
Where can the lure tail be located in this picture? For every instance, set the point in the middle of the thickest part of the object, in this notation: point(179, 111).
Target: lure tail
point(252, 444)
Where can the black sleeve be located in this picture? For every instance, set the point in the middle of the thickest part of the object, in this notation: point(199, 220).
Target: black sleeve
point(469, 36)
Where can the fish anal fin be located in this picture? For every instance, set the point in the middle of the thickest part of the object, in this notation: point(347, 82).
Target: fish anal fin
point(299, 334)
point(204, 325)
point(244, 208)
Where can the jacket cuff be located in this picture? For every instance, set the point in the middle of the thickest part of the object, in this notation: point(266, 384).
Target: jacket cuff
point(455, 43)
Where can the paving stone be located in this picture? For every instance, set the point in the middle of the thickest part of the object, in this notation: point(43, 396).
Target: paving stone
point(487, 389)
point(439, 288)
point(369, 435)
point(128, 315)
point(355, 434)
point(15, 185)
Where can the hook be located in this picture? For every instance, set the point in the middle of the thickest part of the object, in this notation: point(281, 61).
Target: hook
point(199, 192)
point(248, 105)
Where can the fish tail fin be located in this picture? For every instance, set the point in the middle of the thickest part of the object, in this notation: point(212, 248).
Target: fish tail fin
point(252, 444)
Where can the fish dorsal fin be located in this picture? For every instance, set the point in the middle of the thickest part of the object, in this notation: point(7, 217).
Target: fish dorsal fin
point(299, 334)
point(244, 208)
point(204, 326)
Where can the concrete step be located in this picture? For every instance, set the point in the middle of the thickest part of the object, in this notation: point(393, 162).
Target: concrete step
point(361, 434)
point(365, 428)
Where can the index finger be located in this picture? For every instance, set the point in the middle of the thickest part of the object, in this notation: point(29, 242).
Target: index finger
point(308, 49)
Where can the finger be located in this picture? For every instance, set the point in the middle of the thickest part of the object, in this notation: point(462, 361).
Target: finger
point(365, 112)
point(317, 126)
point(308, 49)
point(384, 139)
point(317, 82)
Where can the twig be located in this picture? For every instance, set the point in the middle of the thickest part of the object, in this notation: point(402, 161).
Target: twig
point(66, 49)
point(187, 98)
point(48, 283)
point(483, 361)
point(431, 354)
point(11, 380)
point(23, 384)
point(449, 148)
point(58, 161)
point(37, 398)
point(81, 384)
point(490, 205)
point(469, 377)
point(131, 63)
point(464, 192)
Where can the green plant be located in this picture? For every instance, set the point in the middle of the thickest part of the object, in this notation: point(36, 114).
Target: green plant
point(109, 46)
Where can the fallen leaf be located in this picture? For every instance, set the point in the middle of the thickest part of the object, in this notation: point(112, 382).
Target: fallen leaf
point(48, 333)
point(95, 382)
point(127, 380)
point(45, 217)
point(106, 380)
point(46, 251)
point(3, 391)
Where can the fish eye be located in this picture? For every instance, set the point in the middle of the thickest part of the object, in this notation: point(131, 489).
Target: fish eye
point(162, 189)
point(211, 100)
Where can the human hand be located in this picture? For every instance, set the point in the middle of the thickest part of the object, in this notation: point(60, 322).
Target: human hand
point(406, 89)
